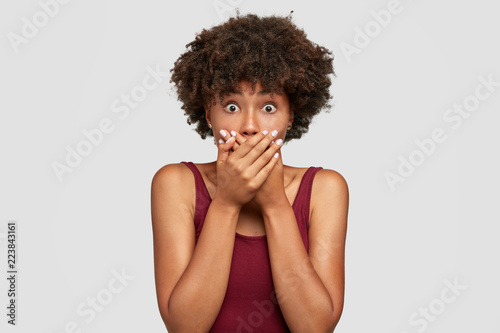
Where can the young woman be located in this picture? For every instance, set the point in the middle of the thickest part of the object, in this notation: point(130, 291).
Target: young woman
point(245, 243)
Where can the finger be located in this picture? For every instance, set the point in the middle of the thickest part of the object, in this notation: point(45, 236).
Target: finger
point(240, 139)
point(262, 145)
point(269, 154)
point(266, 170)
point(224, 148)
point(225, 135)
point(262, 139)
point(235, 146)
point(280, 159)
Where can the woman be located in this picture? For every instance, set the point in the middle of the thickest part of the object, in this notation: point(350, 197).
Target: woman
point(245, 243)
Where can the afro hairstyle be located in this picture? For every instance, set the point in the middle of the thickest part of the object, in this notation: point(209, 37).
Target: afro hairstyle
point(271, 50)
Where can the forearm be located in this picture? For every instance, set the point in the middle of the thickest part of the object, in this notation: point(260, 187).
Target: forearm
point(196, 299)
point(304, 301)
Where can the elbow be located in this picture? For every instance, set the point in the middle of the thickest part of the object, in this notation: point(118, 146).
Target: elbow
point(334, 314)
point(328, 323)
point(327, 326)
point(164, 314)
point(169, 319)
point(333, 320)
point(178, 322)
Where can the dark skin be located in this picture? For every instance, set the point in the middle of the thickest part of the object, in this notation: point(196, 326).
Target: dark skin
point(274, 181)
point(249, 181)
point(271, 202)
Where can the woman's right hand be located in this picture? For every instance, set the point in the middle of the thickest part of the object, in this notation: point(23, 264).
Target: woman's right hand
point(241, 173)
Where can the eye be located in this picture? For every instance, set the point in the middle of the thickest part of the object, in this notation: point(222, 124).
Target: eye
point(231, 107)
point(269, 108)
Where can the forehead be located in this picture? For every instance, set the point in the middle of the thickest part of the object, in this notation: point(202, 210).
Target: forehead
point(247, 88)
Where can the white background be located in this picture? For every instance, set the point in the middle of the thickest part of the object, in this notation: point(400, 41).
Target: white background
point(440, 224)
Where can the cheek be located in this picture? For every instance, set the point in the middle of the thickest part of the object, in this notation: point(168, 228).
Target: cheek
point(280, 125)
point(219, 124)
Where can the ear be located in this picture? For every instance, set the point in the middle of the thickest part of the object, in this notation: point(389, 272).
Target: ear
point(207, 115)
point(290, 119)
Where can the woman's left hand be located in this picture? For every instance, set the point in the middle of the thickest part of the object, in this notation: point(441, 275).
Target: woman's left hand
point(272, 190)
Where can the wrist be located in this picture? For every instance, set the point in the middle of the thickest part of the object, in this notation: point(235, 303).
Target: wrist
point(226, 205)
point(275, 207)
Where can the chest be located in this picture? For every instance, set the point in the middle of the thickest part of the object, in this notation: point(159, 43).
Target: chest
point(250, 220)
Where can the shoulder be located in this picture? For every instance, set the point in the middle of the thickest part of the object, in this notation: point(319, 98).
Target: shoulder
point(171, 169)
point(329, 193)
point(330, 180)
point(173, 182)
point(171, 174)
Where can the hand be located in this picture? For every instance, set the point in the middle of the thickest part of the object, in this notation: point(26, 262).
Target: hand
point(241, 173)
point(239, 140)
point(272, 190)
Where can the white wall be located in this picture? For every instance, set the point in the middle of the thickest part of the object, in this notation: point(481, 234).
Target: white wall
point(406, 243)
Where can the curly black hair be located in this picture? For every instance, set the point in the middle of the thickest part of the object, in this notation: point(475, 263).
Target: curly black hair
point(270, 50)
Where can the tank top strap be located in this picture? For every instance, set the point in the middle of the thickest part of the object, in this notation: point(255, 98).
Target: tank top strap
point(302, 203)
point(202, 198)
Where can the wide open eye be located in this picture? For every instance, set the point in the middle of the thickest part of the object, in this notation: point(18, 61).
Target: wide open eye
point(231, 107)
point(269, 108)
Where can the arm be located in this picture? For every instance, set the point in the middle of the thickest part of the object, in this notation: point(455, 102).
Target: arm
point(191, 280)
point(309, 287)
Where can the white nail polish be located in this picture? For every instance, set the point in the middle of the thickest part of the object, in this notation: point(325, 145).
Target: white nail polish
point(221, 141)
point(276, 155)
point(279, 142)
point(274, 133)
point(230, 139)
point(233, 133)
point(223, 133)
point(265, 132)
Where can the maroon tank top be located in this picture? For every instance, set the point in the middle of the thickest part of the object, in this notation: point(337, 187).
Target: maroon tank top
point(250, 304)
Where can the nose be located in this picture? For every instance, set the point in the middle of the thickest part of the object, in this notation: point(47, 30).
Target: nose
point(250, 124)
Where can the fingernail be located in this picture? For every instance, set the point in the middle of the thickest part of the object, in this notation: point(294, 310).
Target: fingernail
point(276, 155)
point(279, 142)
point(223, 133)
point(233, 133)
point(221, 141)
point(265, 132)
point(274, 133)
point(230, 139)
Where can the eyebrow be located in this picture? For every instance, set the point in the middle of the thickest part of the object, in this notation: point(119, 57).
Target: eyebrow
point(260, 93)
point(264, 92)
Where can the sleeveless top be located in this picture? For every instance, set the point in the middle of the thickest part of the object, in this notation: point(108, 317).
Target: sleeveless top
point(250, 304)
